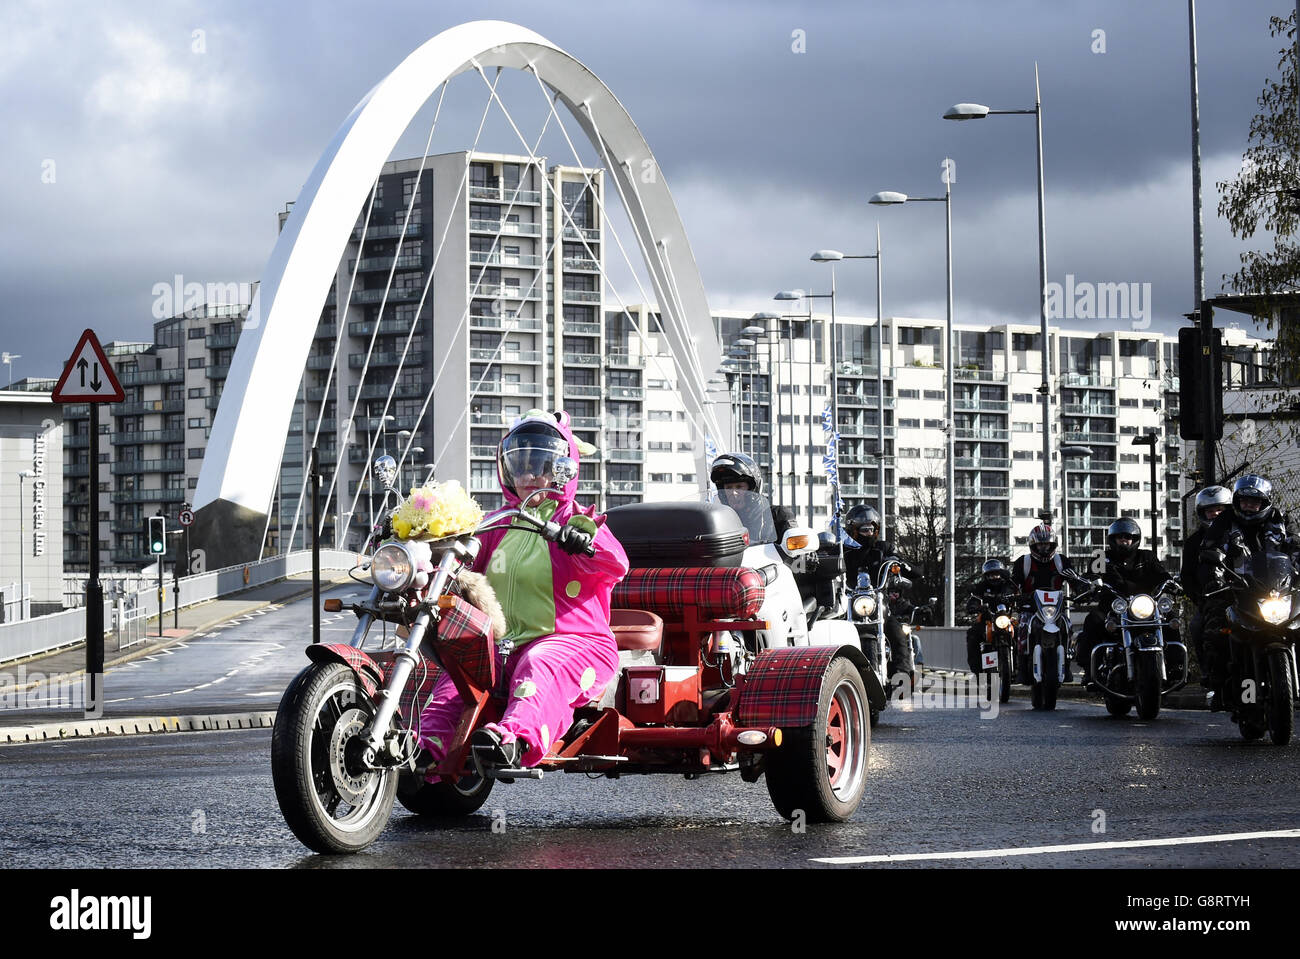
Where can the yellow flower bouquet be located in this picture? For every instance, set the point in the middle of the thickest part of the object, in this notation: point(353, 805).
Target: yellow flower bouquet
point(433, 512)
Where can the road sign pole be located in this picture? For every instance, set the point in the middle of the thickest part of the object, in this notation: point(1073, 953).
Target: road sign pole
point(94, 693)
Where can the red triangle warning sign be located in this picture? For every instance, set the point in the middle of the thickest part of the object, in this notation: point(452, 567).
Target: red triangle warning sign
point(88, 377)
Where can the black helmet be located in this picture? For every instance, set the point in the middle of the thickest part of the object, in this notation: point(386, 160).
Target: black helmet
point(1124, 527)
point(993, 567)
point(1209, 497)
point(1251, 486)
point(860, 518)
point(1042, 542)
point(736, 468)
point(530, 448)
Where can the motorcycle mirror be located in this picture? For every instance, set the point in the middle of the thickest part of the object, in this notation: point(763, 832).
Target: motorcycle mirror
point(933, 600)
point(563, 470)
point(385, 470)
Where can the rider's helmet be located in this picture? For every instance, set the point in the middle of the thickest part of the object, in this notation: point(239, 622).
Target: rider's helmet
point(736, 468)
point(1210, 498)
point(1042, 542)
point(863, 524)
point(530, 449)
point(994, 567)
point(1124, 527)
point(1251, 498)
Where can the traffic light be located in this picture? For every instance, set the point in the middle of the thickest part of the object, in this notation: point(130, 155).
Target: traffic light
point(1194, 393)
point(157, 535)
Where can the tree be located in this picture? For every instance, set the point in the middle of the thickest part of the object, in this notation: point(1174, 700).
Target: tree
point(1265, 195)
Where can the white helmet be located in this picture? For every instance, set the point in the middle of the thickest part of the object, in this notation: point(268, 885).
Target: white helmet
point(1212, 496)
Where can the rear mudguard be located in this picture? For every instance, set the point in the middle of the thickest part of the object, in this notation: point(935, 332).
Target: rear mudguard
point(782, 686)
point(369, 673)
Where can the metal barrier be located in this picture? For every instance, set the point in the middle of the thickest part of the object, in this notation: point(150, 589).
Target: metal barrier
point(12, 605)
point(31, 637)
point(943, 648)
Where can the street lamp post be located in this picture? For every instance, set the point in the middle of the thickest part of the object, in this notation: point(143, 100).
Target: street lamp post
point(799, 295)
point(830, 256)
point(977, 111)
point(1083, 452)
point(769, 323)
point(22, 544)
point(890, 198)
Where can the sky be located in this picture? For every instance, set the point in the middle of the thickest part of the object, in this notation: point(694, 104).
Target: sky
point(146, 141)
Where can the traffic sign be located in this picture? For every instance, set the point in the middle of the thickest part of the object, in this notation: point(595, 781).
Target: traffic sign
point(186, 517)
point(88, 377)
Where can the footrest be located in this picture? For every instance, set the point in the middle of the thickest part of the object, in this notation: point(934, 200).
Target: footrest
point(505, 772)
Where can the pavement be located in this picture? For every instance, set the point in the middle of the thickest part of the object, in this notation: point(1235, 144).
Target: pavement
point(70, 663)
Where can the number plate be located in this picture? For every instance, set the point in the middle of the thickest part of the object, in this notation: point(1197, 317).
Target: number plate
point(991, 660)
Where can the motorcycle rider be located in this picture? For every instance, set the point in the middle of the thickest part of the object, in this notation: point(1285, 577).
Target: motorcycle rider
point(1252, 524)
point(1041, 568)
point(1128, 570)
point(739, 473)
point(862, 523)
point(1211, 502)
point(559, 651)
point(993, 586)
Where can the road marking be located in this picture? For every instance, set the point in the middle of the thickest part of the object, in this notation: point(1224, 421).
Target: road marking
point(273, 692)
point(1072, 847)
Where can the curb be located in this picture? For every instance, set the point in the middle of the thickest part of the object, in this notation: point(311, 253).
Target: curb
point(84, 729)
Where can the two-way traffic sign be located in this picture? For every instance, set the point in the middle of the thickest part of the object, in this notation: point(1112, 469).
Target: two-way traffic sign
point(88, 377)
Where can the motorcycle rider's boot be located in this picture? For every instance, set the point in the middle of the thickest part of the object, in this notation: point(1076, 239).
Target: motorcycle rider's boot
point(490, 752)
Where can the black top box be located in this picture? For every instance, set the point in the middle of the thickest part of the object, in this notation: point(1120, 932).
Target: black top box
point(679, 534)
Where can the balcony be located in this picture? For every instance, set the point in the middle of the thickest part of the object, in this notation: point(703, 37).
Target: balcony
point(221, 341)
point(483, 452)
point(581, 329)
point(590, 486)
point(583, 359)
point(850, 398)
point(76, 469)
point(506, 291)
point(509, 389)
point(571, 389)
point(75, 499)
point(488, 419)
point(1083, 493)
point(621, 392)
point(487, 321)
point(980, 492)
point(320, 361)
point(151, 377)
point(984, 522)
point(395, 295)
point(148, 466)
point(385, 263)
point(987, 433)
point(860, 489)
point(1088, 380)
point(505, 356)
point(500, 194)
point(580, 233)
point(856, 369)
point(980, 463)
point(1091, 466)
point(580, 296)
point(504, 227)
point(366, 328)
point(76, 440)
point(523, 261)
point(357, 360)
point(128, 525)
point(1075, 437)
point(625, 456)
point(375, 391)
point(387, 231)
point(625, 486)
point(149, 496)
point(625, 361)
point(212, 402)
point(975, 404)
point(146, 406)
point(219, 372)
point(581, 263)
point(1077, 409)
point(483, 484)
point(967, 374)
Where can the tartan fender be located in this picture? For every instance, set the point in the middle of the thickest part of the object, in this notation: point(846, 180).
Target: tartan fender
point(369, 673)
point(783, 686)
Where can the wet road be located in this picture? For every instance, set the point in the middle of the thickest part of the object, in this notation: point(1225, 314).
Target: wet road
point(942, 781)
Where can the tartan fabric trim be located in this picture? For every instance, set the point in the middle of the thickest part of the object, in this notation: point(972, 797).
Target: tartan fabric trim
point(419, 685)
point(720, 592)
point(461, 630)
point(783, 686)
point(369, 673)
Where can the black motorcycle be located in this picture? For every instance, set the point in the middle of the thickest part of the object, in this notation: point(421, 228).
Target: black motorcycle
point(998, 653)
point(1140, 665)
point(1263, 622)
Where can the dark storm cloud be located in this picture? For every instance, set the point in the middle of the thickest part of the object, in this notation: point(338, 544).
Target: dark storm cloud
point(174, 161)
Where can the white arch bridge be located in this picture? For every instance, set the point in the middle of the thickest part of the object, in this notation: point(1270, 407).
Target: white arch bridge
point(239, 475)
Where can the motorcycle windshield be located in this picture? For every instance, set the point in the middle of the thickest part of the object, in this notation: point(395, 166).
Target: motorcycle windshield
point(754, 510)
point(1271, 570)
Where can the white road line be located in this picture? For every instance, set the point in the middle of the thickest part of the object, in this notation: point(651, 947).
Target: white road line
point(1072, 847)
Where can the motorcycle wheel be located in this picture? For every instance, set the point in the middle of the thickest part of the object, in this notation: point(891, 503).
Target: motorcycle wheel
point(1146, 687)
point(331, 804)
point(1050, 683)
point(1004, 677)
point(822, 769)
point(1281, 699)
point(1117, 705)
point(443, 799)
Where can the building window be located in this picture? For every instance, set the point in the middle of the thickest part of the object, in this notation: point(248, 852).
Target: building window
point(197, 333)
point(661, 477)
point(934, 394)
point(934, 424)
point(196, 454)
point(197, 423)
point(197, 392)
point(1024, 398)
point(196, 363)
point(909, 394)
point(909, 424)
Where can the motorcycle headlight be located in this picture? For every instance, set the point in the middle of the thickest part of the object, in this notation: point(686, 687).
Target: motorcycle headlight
point(1166, 605)
point(1049, 613)
point(1119, 606)
point(1276, 609)
point(1002, 622)
point(1142, 607)
point(907, 629)
point(864, 606)
point(391, 568)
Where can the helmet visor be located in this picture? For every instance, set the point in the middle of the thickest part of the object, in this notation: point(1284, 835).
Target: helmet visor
point(530, 461)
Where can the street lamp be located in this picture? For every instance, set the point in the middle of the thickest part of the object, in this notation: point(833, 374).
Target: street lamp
point(22, 544)
point(890, 198)
point(977, 111)
point(1083, 452)
point(415, 452)
point(1151, 439)
point(8, 360)
point(770, 329)
point(799, 295)
point(831, 256)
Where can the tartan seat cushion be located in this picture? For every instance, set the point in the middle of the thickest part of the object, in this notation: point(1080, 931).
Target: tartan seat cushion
point(722, 592)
